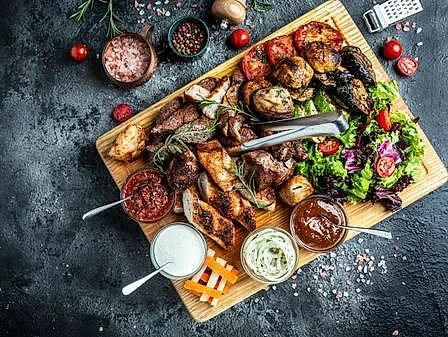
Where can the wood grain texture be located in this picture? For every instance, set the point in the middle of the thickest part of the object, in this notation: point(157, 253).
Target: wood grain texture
point(433, 174)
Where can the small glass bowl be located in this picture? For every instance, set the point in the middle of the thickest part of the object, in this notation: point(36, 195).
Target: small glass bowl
point(154, 242)
point(259, 278)
point(296, 236)
point(173, 28)
point(169, 206)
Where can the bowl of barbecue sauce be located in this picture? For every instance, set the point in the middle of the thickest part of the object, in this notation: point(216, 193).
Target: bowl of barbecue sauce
point(312, 223)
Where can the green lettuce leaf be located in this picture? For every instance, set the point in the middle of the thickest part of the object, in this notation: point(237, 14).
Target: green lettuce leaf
point(383, 94)
point(361, 182)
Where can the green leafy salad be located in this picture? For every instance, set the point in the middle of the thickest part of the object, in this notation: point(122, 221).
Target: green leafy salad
point(378, 156)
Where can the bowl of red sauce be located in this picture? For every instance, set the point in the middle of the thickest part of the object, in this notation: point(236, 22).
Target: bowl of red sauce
point(312, 223)
point(151, 199)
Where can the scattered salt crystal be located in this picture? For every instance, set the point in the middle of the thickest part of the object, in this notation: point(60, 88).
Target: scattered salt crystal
point(274, 287)
point(296, 294)
point(341, 265)
point(368, 282)
point(382, 257)
point(349, 282)
point(166, 2)
point(406, 28)
point(315, 277)
point(414, 24)
point(419, 43)
point(367, 251)
point(293, 277)
point(395, 333)
point(403, 283)
point(361, 276)
point(224, 24)
point(157, 3)
point(358, 290)
point(332, 254)
point(345, 294)
point(100, 329)
point(419, 30)
point(360, 240)
point(168, 13)
point(395, 255)
point(294, 285)
point(358, 280)
point(334, 291)
point(320, 285)
point(348, 268)
point(308, 289)
point(404, 258)
point(299, 271)
point(325, 294)
point(372, 269)
point(365, 270)
point(319, 290)
point(141, 12)
point(398, 238)
point(416, 58)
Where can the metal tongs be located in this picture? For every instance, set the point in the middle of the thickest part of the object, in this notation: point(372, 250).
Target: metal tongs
point(324, 124)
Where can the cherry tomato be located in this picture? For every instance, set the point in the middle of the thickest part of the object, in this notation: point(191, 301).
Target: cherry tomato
point(255, 62)
point(79, 52)
point(385, 167)
point(279, 48)
point(317, 31)
point(239, 38)
point(392, 49)
point(122, 112)
point(329, 146)
point(407, 66)
point(383, 119)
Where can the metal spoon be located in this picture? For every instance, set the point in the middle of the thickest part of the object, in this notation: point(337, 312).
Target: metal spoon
point(377, 232)
point(130, 288)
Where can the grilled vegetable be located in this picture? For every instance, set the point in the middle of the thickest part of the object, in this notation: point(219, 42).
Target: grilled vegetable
point(280, 47)
point(273, 102)
point(294, 72)
point(249, 87)
point(322, 57)
point(358, 65)
point(317, 31)
point(352, 93)
point(255, 62)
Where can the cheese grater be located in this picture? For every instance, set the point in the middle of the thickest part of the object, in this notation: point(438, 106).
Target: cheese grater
point(381, 16)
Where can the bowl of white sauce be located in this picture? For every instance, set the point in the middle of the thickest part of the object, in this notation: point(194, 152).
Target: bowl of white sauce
point(183, 245)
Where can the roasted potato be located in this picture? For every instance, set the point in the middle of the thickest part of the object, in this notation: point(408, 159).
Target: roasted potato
point(129, 144)
point(295, 189)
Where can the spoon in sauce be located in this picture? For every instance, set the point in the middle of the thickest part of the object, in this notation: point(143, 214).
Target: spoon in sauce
point(130, 288)
point(377, 232)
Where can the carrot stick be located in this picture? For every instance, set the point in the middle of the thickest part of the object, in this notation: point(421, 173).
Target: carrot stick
point(205, 277)
point(213, 265)
point(190, 285)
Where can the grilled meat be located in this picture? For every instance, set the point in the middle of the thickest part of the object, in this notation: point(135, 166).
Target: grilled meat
point(208, 220)
point(178, 206)
point(249, 87)
point(238, 77)
point(129, 144)
point(178, 118)
point(200, 130)
point(301, 95)
point(195, 93)
point(295, 189)
point(217, 95)
point(231, 96)
point(168, 109)
point(352, 93)
point(289, 150)
point(268, 171)
point(183, 171)
point(273, 103)
point(293, 72)
point(230, 204)
point(209, 83)
point(358, 65)
point(265, 199)
point(321, 57)
point(218, 164)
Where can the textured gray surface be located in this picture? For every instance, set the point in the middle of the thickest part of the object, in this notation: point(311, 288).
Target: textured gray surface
point(62, 277)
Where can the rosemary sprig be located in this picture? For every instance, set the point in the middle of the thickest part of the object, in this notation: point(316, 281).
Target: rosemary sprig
point(82, 9)
point(112, 29)
point(261, 7)
point(224, 108)
point(247, 184)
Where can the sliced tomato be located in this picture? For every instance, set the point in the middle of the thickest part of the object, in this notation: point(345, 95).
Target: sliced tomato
point(383, 119)
point(255, 62)
point(407, 66)
point(280, 47)
point(329, 146)
point(385, 167)
point(317, 31)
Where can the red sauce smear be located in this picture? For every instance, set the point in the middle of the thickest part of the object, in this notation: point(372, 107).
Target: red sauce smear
point(152, 198)
point(311, 227)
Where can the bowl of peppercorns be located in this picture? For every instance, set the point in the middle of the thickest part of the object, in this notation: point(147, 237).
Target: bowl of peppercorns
point(188, 37)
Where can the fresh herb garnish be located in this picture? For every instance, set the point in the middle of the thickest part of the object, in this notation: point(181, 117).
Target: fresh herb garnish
point(261, 7)
point(82, 9)
point(226, 107)
point(247, 185)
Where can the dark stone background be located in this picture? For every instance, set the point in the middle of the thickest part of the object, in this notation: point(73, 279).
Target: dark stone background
point(60, 276)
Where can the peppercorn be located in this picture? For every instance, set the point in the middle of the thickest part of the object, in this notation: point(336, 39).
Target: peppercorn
point(188, 38)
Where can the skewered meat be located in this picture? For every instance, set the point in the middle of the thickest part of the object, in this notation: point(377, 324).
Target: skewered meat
point(129, 144)
point(295, 189)
point(208, 220)
point(289, 150)
point(273, 103)
point(168, 109)
point(209, 83)
point(195, 93)
point(198, 131)
point(268, 171)
point(352, 93)
point(248, 88)
point(178, 118)
point(321, 57)
point(265, 199)
point(218, 164)
point(183, 171)
point(358, 65)
point(293, 72)
point(216, 95)
point(230, 204)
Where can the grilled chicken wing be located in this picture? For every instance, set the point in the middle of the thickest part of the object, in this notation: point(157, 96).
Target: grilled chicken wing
point(231, 204)
point(218, 164)
point(208, 220)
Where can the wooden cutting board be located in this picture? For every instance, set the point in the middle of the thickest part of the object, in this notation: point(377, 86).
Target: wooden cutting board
point(433, 172)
